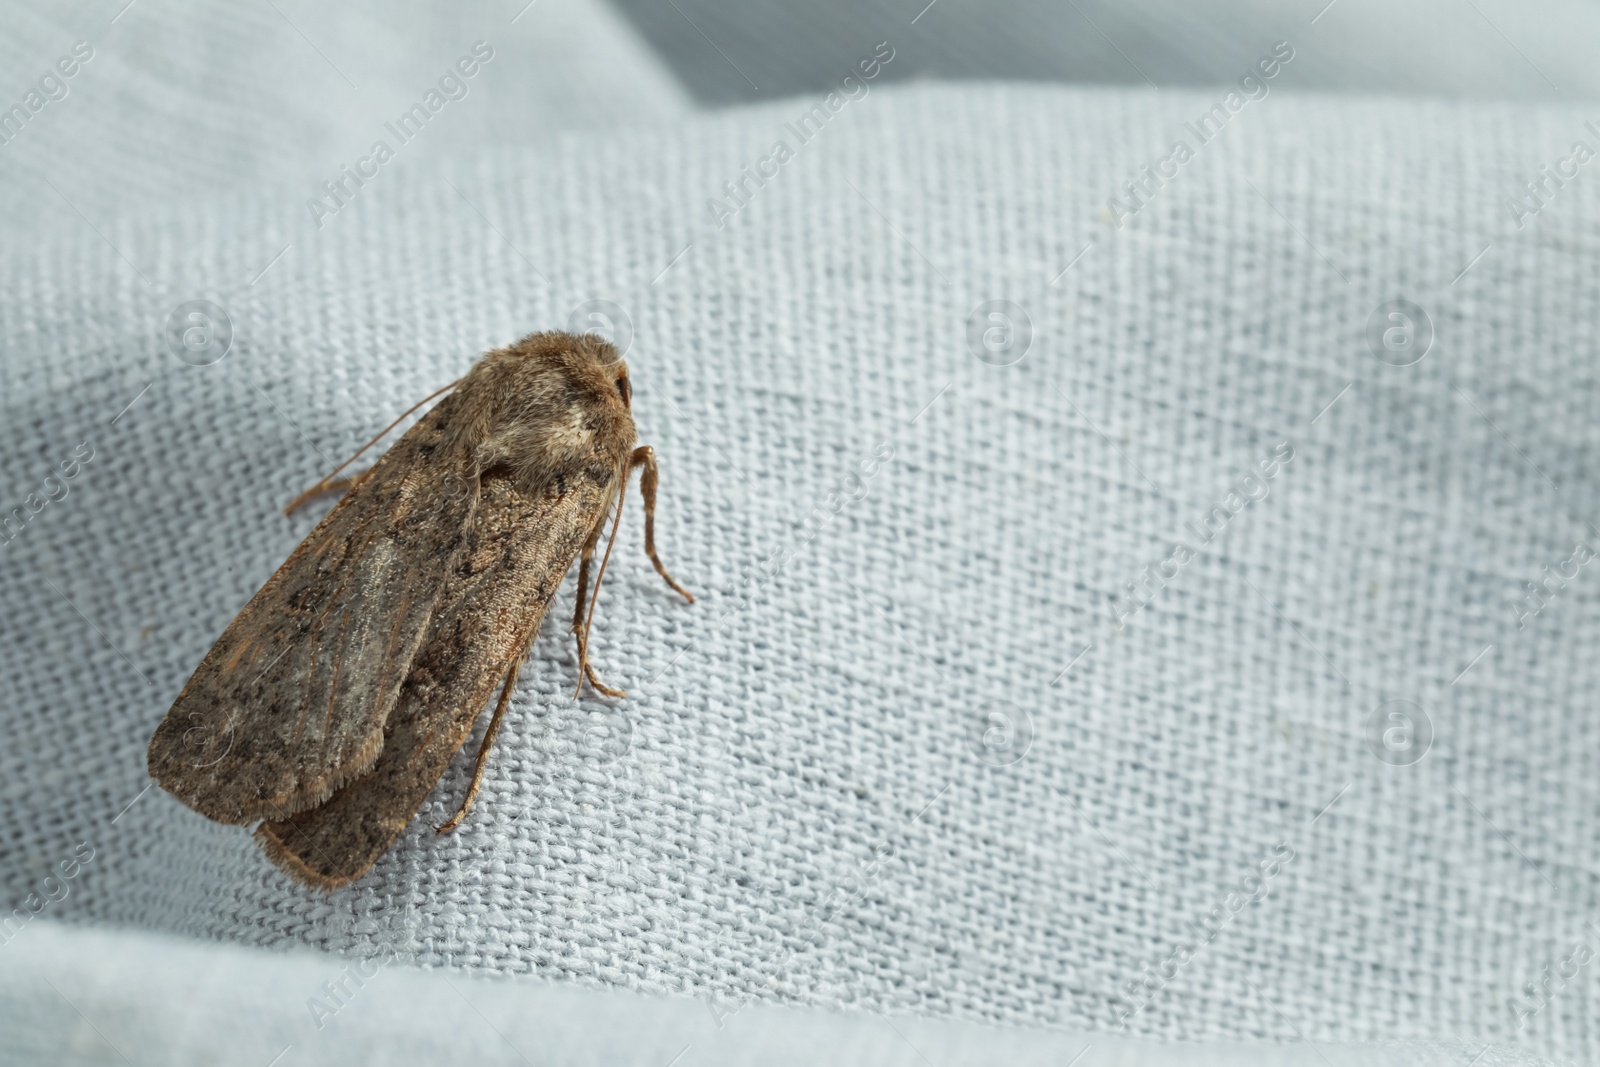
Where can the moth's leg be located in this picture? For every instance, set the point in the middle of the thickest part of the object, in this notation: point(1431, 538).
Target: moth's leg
point(323, 488)
point(645, 456)
point(585, 560)
point(588, 672)
point(594, 680)
point(488, 742)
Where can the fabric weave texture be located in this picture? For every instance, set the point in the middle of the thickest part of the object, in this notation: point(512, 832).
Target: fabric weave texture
point(920, 747)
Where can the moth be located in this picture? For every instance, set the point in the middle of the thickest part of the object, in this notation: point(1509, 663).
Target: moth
point(333, 703)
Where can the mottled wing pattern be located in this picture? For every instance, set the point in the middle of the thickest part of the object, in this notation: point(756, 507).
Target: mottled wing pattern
point(292, 699)
point(497, 593)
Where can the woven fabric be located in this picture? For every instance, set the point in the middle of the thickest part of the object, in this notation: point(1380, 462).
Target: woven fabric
point(143, 993)
point(955, 728)
point(177, 100)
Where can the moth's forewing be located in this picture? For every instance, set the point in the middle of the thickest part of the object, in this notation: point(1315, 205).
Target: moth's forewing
point(291, 701)
point(490, 608)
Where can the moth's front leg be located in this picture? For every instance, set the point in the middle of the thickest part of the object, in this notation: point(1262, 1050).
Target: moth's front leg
point(645, 456)
point(580, 629)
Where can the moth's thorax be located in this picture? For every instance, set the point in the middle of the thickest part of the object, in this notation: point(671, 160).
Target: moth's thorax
point(551, 405)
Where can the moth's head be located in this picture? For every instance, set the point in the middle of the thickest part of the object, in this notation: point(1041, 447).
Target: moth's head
point(595, 362)
point(549, 402)
point(573, 365)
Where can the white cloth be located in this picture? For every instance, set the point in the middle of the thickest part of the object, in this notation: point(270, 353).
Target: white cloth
point(77, 996)
point(815, 805)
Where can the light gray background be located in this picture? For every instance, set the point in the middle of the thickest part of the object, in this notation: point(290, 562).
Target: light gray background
point(1486, 49)
point(806, 812)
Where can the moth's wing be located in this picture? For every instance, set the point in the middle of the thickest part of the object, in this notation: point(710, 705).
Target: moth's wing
point(291, 701)
point(520, 548)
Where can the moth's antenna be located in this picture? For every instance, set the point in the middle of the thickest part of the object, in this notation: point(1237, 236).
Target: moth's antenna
point(594, 596)
point(320, 486)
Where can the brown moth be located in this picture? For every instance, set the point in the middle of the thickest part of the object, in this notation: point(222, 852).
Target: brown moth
point(333, 703)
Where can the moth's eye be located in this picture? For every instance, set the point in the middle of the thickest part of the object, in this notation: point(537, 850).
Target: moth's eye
point(625, 391)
